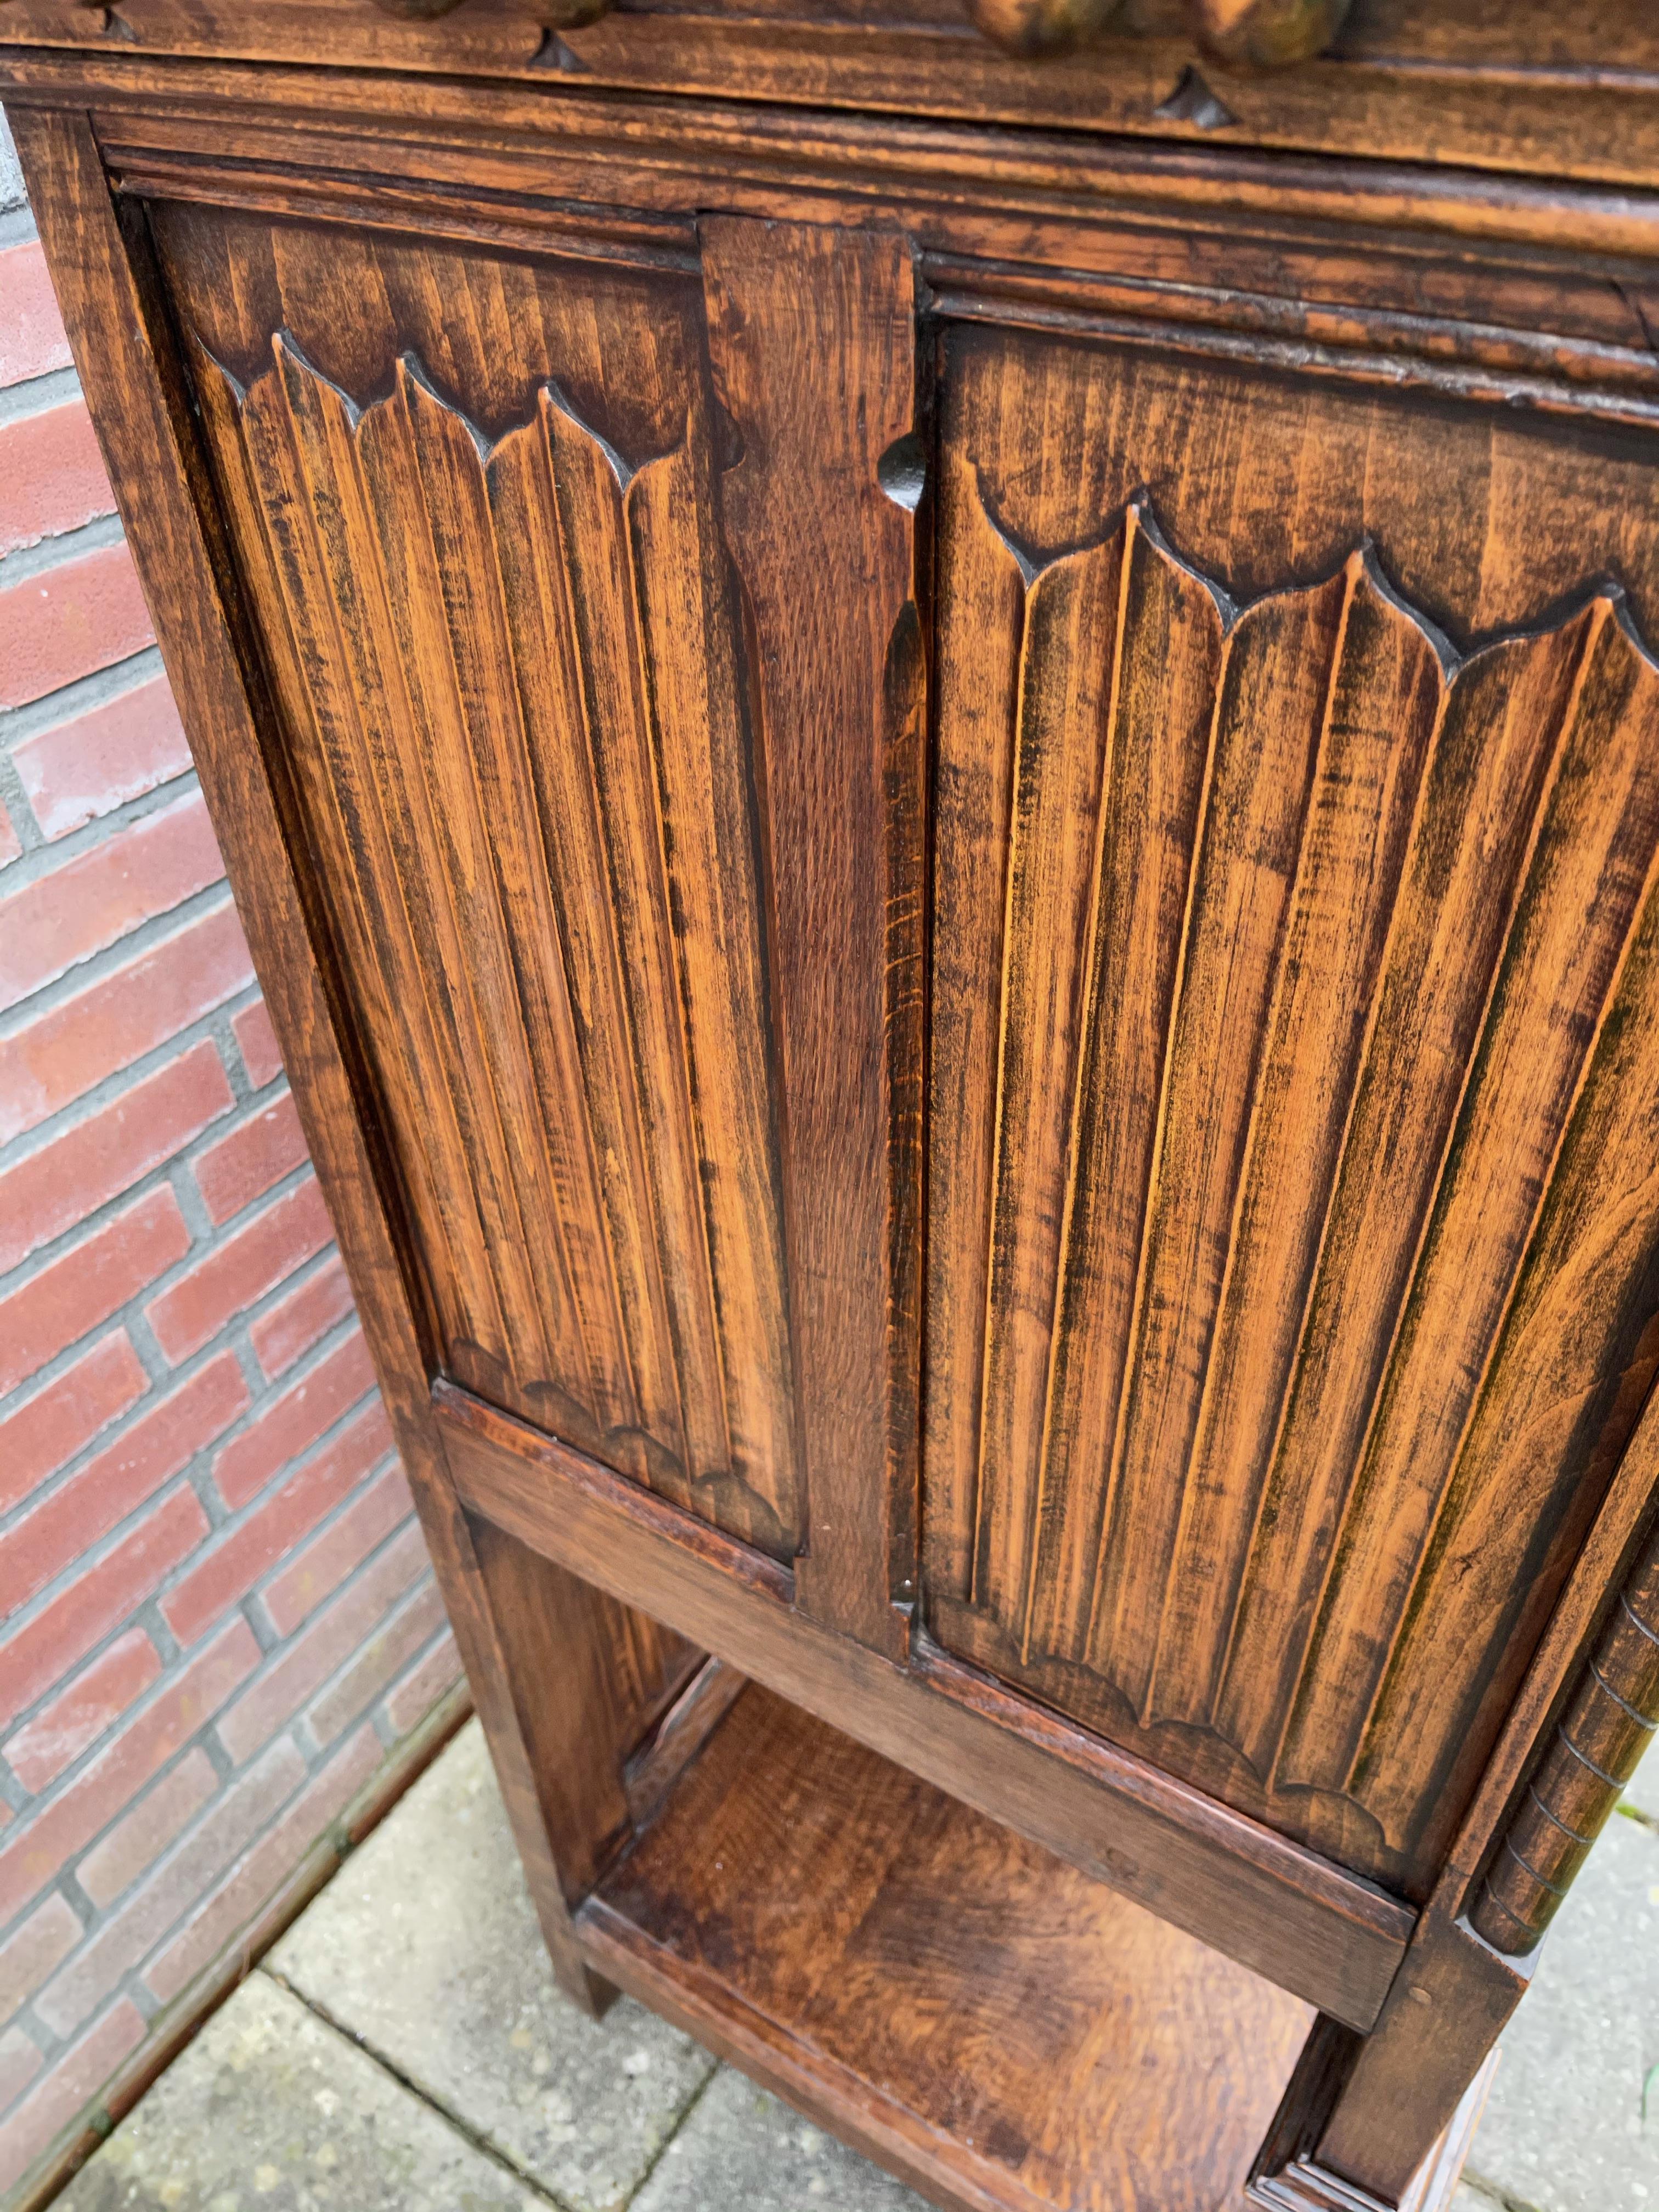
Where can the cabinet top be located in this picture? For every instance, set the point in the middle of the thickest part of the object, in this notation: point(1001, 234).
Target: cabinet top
point(1523, 88)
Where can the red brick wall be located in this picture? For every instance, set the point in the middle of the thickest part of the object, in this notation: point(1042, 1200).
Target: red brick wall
point(218, 1619)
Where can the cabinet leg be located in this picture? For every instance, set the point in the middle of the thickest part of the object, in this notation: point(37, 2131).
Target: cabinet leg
point(1378, 2123)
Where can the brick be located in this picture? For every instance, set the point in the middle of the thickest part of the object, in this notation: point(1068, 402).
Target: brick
point(266, 1866)
point(56, 1736)
point(432, 1676)
point(248, 1160)
point(87, 903)
point(69, 621)
point(231, 1568)
point(294, 1593)
point(289, 1424)
point(10, 846)
point(95, 761)
point(240, 1271)
point(57, 1056)
point(388, 1650)
point(46, 1938)
point(55, 1188)
point(41, 1653)
point(328, 1641)
point(32, 340)
point(32, 1855)
point(138, 1838)
point(19, 2062)
point(52, 475)
point(45, 1432)
point(178, 1885)
point(64, 1300)
point(118, 1480)
point(288, 1330)
point(257, 1042)
point(72, 2084)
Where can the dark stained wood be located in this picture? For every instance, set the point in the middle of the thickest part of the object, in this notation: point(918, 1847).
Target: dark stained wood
point(984, 2021)
point(811, 342)
point(943, 770)
point(1269, 1903)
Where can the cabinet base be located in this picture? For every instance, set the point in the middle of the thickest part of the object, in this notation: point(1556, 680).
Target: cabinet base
point(993, 2026)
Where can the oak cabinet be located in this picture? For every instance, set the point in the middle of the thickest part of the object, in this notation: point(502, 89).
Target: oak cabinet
point(945, 770)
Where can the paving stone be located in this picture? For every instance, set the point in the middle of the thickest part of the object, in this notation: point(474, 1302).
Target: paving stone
point(425, 1945)
point(1563, 2129)
point(269, 2107)
point(740, 2147)
point(1643, 1791)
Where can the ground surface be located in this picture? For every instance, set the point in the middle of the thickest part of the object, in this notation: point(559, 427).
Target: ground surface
point(403, 2049)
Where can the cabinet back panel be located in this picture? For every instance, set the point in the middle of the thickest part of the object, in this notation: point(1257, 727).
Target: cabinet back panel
point(473, 501)
point(1293, 1228)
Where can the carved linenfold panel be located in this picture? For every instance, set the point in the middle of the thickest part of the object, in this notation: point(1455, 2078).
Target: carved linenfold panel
point(510, 667)
point(1293, 1234)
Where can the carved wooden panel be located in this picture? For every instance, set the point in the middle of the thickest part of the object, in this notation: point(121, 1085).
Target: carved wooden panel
point(1294, 1229)
point(510, 661)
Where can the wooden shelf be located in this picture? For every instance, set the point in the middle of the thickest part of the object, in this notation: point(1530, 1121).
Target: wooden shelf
point(983, 2019)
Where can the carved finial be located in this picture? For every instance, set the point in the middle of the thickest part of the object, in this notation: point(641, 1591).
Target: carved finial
point(1042, 26)
point(1267, 34)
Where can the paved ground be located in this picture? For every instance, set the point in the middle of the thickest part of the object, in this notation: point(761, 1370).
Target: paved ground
point(403, 2049)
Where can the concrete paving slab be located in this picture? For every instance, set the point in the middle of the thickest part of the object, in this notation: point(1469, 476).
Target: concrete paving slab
point(269, 2107)
point(425, 1945)
point(1642, 1789)
point(1563, 2129)
point(742, 2147)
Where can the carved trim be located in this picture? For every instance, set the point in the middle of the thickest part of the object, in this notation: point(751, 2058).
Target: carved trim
point(1607, 1725)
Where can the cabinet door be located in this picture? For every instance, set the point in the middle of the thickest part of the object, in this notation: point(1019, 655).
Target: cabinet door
point(599, 674)
point(1294, 1225)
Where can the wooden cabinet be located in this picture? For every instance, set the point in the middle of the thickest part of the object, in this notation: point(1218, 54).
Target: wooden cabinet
point(945, 771)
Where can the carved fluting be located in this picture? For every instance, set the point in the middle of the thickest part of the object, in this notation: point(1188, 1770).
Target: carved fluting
point(1293, 1239)
point(1608, 1726)
point(509, 671)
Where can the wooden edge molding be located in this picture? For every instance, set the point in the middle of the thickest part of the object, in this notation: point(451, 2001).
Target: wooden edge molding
point(1609, 1723)
point(190, 2010)
point(1311, 1927)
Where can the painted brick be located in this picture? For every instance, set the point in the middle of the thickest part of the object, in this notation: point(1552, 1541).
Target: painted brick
point(32, 340)
point(88, 766)
point(248, 1804)
point(237, 1900)
point(138, 1838)
point(28, 1955)
point(64, 1300)
point(32, 1855)
point(316, 1571)
point(52, 475)
point(55, 1188)
point(40, 1653)
point(10, 846)
point(429, 1678)
point(285, 1331)
point(57, 1736)
point(83, 615)
point(257, 1042)
point(86, 904)
point(240, 1271)
point(243, 1164)
point(388, 1650)
point(19, 2062)
point(73, 2082)
point(46, 1431)
point(302, 1669)
point(230, 1569)
point(291, 1424)
point(53, 1059)
point(118, 1480)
